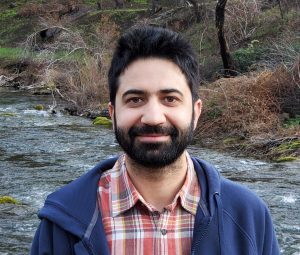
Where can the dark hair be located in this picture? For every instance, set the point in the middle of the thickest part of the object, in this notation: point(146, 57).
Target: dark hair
point(149, 41)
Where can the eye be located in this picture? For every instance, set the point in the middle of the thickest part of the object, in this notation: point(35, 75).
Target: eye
point(171, 99)
point(134, 101)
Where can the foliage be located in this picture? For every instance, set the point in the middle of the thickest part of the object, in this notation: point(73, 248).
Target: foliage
point(247, 105)
point(240, 17)
point(9, 13)
point(292, 122)
point(74, 69)
point(246, 57)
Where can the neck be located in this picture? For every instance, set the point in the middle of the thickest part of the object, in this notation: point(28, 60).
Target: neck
point(158, 186)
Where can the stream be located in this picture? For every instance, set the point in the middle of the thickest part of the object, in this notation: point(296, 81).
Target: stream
point(40, 152)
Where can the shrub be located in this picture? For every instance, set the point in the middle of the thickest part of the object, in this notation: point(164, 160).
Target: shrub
point(240, 17)
point(246, 57)
point(72, 68)
point(245, 106)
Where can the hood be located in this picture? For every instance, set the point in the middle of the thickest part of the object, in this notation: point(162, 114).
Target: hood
point(208, 229)
point(74, 208)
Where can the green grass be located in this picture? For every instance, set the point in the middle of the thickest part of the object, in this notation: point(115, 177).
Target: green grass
point(288, 147)
point(17, 54)
point(140, 1)
point(11, 53)
point(292, 122)
point(285, 159)
point(9, 13)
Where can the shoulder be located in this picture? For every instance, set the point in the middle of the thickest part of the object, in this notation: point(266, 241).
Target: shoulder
point(77, 198)
point(238, 198)
point(247, 216)
point(86, 181)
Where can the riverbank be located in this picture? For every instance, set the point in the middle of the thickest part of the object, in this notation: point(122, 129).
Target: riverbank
point(254, 131)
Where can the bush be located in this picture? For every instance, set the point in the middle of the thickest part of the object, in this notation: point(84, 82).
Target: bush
point(245, 106)
point(74, 69)
point(246, 57)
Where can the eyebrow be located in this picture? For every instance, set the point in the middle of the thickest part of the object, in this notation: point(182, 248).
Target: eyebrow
point(133, 91)
point(142, 92)
point(168, 91)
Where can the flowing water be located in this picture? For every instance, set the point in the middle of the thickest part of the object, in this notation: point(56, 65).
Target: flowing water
point(40, 152)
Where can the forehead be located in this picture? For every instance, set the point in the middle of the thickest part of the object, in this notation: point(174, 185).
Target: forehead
point(152, 75)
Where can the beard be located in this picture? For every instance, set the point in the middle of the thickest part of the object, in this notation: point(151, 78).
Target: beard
point(154, 154)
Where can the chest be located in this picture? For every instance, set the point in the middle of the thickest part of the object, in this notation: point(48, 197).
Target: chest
point(138, 231)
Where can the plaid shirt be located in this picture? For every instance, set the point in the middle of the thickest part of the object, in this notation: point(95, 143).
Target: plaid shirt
point(134, 227)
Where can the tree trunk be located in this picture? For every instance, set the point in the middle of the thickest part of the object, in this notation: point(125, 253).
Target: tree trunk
point(154, 6)
point(280, 8)
point(228, 64)
point(119, 4)
point(99, 5)
point(180, 2)
point(196, 10)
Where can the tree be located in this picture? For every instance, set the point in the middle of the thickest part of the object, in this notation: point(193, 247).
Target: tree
point(196, 8)
point(228, 64)
point(119, 3)
point(154, 6)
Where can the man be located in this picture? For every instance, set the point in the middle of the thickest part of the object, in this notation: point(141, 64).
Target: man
point(156, 198)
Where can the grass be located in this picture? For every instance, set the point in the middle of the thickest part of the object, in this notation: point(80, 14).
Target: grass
point(18, 54)
point(286, 159)
point(9, 13)
point(292, 122)
point(288, 146)
point(11, 54)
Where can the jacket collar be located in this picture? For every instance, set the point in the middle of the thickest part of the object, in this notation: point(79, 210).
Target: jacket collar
point(74, 206)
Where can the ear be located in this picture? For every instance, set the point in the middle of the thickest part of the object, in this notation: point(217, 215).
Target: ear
point(111, 110)
point(197, 111)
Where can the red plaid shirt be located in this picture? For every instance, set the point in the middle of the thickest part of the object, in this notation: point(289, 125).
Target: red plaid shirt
point(134, 227)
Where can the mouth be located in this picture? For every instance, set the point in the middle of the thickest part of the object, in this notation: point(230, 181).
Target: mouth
point(153, 138)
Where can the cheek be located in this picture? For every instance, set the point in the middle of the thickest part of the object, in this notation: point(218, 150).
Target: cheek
point(181, 118)
point(127, 118)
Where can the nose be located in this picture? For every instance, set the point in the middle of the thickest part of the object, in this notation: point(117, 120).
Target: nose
point(153, 114)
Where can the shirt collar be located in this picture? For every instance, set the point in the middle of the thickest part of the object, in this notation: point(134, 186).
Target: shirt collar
point(190, 192)
point(125, 196)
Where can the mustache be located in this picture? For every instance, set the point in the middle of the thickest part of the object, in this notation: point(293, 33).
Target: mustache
point(146, 129)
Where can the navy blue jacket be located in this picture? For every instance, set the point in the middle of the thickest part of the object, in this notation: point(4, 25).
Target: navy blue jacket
point(230, 219)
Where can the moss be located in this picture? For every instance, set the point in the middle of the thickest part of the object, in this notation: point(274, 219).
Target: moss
point(103, 121)
point(39, 107)
point(231, 140)
point(8, 200)
point(285, 147)
point(286, 159)
point(7, 114)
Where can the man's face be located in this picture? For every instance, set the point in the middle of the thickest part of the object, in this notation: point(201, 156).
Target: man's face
point(154, 116)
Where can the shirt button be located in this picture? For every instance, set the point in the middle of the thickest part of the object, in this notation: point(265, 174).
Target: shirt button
point(163, 231)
